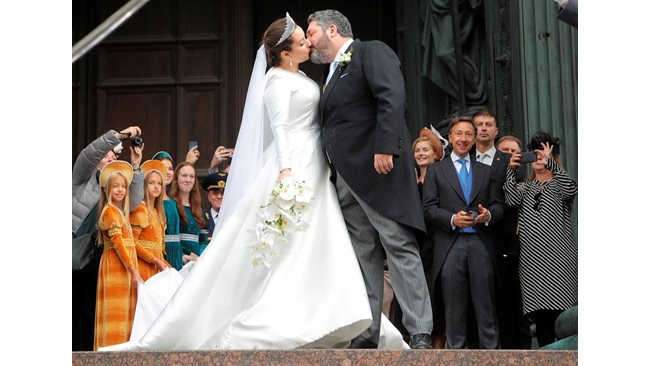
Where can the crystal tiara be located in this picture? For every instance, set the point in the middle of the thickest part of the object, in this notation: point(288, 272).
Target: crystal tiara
point(288, 28)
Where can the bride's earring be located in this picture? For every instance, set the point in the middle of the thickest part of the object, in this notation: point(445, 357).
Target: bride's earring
point(290, 62)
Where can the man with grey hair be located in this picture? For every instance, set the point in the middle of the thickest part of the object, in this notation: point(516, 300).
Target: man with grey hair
point(367, 144)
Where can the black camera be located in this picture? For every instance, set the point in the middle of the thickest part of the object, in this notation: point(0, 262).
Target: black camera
point(136, 141)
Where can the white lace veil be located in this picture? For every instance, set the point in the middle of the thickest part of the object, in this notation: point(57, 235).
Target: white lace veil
point(254, 136)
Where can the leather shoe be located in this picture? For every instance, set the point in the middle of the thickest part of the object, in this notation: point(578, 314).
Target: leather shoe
point(420, 341)
point(362, 343)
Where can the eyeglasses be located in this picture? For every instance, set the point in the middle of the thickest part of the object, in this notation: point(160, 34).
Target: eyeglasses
point(538, 201)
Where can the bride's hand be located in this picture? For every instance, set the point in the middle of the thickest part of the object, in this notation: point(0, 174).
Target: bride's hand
point(285, 173)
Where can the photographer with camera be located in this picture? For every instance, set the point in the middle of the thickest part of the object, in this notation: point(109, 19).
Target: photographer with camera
point(85, 195)
point(106, 148)
point(548, 264)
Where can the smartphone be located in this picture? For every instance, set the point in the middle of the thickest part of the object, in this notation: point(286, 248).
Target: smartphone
point(528, 157)
point(192, 144)
point(473, 213)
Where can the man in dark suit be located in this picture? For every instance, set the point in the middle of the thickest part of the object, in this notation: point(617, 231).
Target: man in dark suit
point(460, 202)
point(514, 329)
point(215, 184)
point(366, 141)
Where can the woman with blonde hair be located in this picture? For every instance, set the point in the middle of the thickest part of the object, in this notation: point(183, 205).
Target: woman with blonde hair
point(427, 149)
point(148, 221)
point(118, 268)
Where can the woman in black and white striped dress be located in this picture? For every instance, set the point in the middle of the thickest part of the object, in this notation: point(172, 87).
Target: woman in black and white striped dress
point(548, 267)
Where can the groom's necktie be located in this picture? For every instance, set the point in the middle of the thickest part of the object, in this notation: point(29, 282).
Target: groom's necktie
point(333, 67)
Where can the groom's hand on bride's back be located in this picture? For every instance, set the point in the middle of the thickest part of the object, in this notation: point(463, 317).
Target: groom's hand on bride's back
point(383, 163)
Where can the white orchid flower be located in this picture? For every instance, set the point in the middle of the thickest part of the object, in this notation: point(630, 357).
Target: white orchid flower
point(285, 204)
point(284, 213)
point(287, 190)
point(304, 194)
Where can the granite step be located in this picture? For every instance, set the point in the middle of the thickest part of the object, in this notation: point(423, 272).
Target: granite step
point(330, 358)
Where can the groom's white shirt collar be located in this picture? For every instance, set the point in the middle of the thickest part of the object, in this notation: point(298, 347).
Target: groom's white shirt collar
point(342, 49)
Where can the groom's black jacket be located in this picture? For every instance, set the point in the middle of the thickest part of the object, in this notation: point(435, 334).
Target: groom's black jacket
point(362, 113)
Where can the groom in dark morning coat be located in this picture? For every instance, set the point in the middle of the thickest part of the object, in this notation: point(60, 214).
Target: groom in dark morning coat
point(367, 144)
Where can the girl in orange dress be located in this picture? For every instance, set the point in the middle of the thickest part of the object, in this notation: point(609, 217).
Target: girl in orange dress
point(118, 268)
point(148, 221)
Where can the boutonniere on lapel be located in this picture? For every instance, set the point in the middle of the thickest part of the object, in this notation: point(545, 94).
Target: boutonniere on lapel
point(346, 57)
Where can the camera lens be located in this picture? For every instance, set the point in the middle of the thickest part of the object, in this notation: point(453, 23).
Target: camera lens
point(136, 141)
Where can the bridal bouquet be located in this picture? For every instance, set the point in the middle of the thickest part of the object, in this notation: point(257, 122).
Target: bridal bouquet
point(284, 213)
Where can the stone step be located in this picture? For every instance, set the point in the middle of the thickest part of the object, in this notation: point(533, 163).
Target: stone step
point(330, 358)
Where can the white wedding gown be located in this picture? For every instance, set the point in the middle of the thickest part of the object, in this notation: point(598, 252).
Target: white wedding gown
point(313, 296)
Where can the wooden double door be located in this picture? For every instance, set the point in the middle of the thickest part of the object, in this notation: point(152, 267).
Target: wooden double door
point(170, 69)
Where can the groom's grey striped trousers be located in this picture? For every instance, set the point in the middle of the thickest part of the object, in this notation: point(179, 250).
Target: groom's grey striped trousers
point(367, 228)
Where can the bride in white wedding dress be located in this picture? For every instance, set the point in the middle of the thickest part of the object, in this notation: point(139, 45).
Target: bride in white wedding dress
point(312, 293)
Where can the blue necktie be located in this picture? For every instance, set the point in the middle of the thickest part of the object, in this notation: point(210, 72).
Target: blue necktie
point(465, 183)
point(333, 67)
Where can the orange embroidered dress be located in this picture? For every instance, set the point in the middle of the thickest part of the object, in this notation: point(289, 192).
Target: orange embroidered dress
point(149, 233)
point(116, 297)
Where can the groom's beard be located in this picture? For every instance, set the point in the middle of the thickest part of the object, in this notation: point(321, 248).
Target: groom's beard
point(319, 55)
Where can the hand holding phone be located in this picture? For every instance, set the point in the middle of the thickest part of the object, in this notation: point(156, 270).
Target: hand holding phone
point(463, 219)
point(193, 153)
point(528, 157)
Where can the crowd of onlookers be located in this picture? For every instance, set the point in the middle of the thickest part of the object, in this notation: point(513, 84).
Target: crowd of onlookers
point(148, 216)
point(498, 254)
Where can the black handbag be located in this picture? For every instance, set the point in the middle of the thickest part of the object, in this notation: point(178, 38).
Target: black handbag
point(84, 246)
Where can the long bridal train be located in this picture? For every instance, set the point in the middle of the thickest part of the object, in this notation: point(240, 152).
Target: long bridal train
point(154, 294)
point(312, 296)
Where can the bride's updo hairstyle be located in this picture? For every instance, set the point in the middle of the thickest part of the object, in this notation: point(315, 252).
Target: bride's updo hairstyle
point(270, 40)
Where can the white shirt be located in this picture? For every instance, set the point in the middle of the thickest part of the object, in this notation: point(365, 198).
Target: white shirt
point(486, 157)
point(337, 58)
point(214, 214)
point(458, 165)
